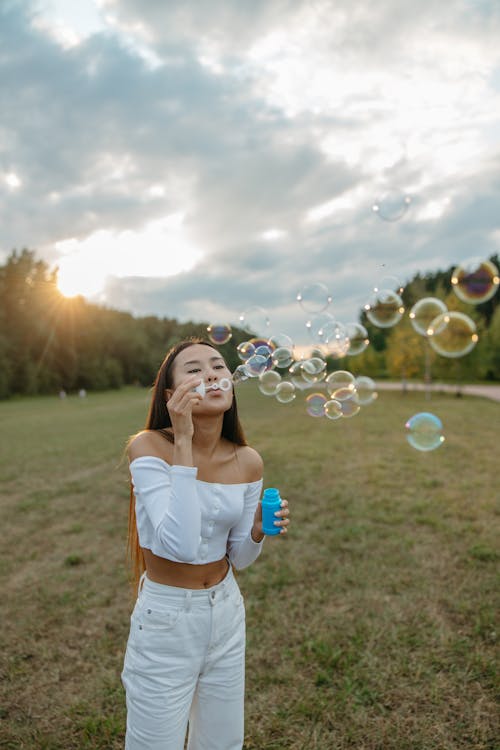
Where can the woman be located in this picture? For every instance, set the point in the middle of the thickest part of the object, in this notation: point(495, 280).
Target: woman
point(196, 514)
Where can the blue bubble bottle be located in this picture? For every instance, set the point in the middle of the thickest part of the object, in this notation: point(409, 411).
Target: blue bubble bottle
point(271, 502)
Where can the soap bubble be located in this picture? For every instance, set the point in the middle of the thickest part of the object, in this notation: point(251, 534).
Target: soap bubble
point(245, 350)
point(321, 328)
point(225, 384)
point(452, 334)
point(358, 338)
point(424, 312)
point(340, 379)
point(315, 404)
point(384, 308)
point(339, 342)
point(282, 357)
point(269, 382)
point(255, 365)
point(348, 400)
point(280, 341)
point(333, 409)
point(424, 431)
point(256, 320)
point(264, 350)
point(219, 334)
point(285, 392)
point(389, 282)
point(297, 376)
point(314, 298)
point(365, 388)
point(240, 374)
point(476, 281)
point(392, 206)
point(313, 369)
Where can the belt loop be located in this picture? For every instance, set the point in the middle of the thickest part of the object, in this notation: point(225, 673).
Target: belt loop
point(187, 601)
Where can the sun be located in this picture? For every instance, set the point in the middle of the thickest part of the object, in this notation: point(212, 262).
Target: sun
point(77, 276)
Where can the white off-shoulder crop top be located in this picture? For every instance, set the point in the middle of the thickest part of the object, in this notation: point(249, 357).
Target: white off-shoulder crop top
point(185, 519)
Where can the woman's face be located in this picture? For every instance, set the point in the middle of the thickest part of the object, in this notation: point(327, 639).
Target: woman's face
point(207, 364)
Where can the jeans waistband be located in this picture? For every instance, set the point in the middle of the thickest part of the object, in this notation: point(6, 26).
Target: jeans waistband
point(188, 597)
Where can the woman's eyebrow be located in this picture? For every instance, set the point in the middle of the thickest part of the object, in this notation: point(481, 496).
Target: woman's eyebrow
point(197, 361)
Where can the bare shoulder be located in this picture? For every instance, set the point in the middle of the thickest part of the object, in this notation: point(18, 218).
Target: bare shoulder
point(149, 443)
point(250, 462)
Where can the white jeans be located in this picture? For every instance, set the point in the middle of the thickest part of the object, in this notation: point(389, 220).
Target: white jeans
point(185, 661)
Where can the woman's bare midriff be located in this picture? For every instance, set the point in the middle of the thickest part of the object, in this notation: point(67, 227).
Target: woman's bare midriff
point(184, 575)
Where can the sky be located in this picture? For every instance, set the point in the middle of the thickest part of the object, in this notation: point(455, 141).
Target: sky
point(198, 160)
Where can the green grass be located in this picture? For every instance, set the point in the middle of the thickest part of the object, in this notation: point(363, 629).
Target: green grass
point(372, 626)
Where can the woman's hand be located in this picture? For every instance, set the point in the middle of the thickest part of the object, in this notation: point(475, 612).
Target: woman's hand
point(180, 407)
point(282, 520)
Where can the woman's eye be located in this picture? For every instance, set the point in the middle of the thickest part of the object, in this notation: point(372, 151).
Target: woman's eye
point(195, 369)
point(220, 367)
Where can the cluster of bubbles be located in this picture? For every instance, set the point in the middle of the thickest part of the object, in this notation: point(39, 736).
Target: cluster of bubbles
point(271, 359)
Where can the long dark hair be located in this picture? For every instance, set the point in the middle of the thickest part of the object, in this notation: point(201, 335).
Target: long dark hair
point(159, 419)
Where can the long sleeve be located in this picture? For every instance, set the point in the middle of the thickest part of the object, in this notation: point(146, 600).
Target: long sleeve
point(241, 548)
point(167, 508)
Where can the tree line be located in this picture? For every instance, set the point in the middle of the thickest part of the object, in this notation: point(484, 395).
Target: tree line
point(50, 343)
point(400, 352)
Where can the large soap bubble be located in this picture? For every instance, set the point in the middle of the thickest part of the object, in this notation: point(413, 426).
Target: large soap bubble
point(333, 409)
point(285, 392)
point(282, 357)
point(424, 431)
point(256, 365)
point(255, 320)
point(219, 334)
point(245, 350)
point(452, 334)
point(269, 382)
point(280, 341)
point(424, 312)
point(476, 281)
point(366, 389)
point(314, 298)
point(389, 282)
point(349, 403)
point(297, 376)
point(384, 308)
point(315, 404)
point(321, 328)
point(240, 374)
point(340, 379)
point(313, 370)
point(339, 342)
point(392, 205)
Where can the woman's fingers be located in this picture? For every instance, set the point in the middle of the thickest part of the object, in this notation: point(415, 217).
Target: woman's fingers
point(283, 516)
point(184, 396)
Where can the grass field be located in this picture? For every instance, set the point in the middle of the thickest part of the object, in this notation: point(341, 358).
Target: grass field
point(372, 626)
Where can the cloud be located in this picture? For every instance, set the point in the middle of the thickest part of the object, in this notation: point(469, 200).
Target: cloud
point(270, 126)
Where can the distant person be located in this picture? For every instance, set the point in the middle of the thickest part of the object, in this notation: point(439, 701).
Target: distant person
point(82, 393)
point(196, 513)
point(62, 394)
